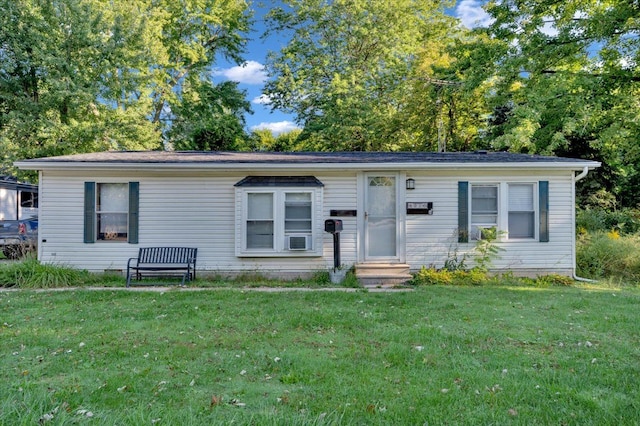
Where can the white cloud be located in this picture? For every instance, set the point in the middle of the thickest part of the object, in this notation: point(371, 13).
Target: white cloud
point(261, 100)
point(251, 72)
point(277, 127)
point(471, 14)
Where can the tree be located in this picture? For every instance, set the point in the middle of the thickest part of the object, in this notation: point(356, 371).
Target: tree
point(192, 34)
point(355, 71)
point(210, 117)
point(50, 87)
point(264, 140)
point(439, 112)
point(565, 80)
point(89, 75)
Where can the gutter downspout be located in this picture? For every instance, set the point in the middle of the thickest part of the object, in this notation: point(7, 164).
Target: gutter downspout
point(576, 178)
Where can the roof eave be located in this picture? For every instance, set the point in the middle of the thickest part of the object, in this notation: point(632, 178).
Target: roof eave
point(241, 166)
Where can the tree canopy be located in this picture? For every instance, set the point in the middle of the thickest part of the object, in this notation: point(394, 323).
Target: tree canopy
point(89, 75)
point(545, 77)
point(360, 74)
point(564, 79)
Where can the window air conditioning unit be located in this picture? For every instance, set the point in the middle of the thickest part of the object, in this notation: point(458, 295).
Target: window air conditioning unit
point(298, 242)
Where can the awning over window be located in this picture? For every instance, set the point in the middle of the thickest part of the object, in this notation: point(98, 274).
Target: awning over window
point(269, 181)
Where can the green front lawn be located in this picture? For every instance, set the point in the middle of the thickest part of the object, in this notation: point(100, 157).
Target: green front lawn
point(437, 355)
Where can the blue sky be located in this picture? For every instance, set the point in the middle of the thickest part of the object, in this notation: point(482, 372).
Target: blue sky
point(251, 75)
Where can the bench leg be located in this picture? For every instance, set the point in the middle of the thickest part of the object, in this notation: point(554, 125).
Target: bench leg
point(188, 275)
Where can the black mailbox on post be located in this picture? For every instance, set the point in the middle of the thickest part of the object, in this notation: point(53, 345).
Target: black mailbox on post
point(333, 226)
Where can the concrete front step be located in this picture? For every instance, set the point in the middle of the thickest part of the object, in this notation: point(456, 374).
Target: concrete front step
point(382, 274)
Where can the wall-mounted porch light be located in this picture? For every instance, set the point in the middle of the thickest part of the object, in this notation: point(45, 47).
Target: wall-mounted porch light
point(411, 183)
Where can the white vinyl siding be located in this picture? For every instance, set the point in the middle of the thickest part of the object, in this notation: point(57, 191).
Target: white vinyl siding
point(202, 209)
point(432, 239)
point(184, 209)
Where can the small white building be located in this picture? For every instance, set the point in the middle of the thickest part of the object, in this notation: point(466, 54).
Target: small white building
point(265, 212)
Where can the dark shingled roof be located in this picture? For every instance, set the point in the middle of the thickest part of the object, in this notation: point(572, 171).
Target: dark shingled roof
point(304, 181)
point(215, 157)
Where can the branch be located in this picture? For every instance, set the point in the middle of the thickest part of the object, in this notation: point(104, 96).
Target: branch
point(439, 82)
point(634, 78)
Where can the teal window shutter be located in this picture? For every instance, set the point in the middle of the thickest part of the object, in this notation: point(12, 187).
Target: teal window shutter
point(543, 202)
point(463, 212)
point(89, 212)
point(134, 196)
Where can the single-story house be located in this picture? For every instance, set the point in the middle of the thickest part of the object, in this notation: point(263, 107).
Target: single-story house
point(265, 212)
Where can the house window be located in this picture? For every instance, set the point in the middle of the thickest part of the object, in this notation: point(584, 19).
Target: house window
point(297, 213)
point(521, 211)
point(484, 209)
point(112, 210)
point(260, 221)
point(279, 221)
point(279, 216)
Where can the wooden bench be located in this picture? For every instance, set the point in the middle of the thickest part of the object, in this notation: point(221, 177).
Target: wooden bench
point(161, 261)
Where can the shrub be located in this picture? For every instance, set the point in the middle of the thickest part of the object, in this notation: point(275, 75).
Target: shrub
point(476, 276)
point(486, 250)
point(553, 280)
point(432, 276)
point(605, 254)
point(624, 221)
point(351, 281)
point(321, 278)
point(32, 274)
point(454, 261)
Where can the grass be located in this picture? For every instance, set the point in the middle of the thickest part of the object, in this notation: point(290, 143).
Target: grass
point(29, 273)
point(436, 355)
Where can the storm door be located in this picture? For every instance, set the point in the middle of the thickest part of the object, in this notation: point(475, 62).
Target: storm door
point(380, 218)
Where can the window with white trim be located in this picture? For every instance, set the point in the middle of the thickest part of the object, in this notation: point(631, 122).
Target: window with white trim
point(484, 209)
point(511, 208)
point(112, 211)
point(278, 221)
point(517, 210)
point(260, 221)
point(522, 211)
point(298, 214)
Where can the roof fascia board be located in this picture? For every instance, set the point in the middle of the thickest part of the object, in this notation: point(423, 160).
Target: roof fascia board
point(301, 166)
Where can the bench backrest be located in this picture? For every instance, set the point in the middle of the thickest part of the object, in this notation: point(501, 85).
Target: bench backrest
point(167, 254)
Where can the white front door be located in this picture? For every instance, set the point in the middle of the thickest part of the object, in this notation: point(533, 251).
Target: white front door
point(380, 217)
